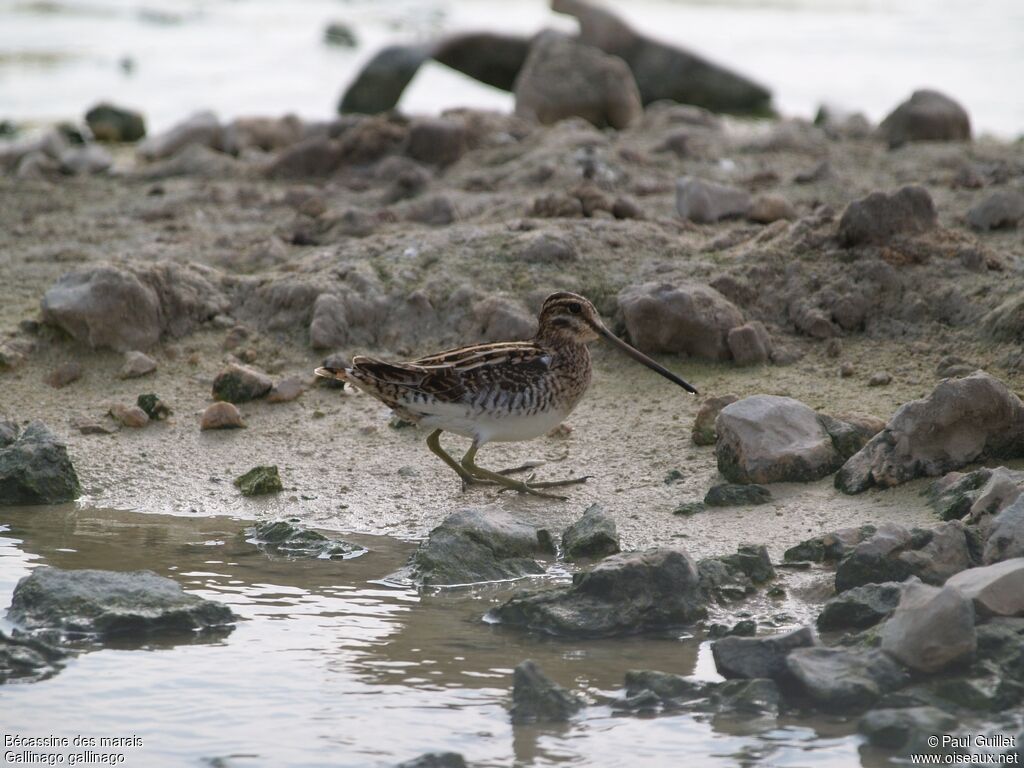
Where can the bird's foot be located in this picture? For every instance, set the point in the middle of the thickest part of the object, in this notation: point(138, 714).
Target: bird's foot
point(534, 489)
point(526, 466)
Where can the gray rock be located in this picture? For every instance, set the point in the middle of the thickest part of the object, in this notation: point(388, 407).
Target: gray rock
point(931, 628)
point(961, 421)
point(266, 134)
point(240, 384)
point(766, 209)
point(437, 140)
point(975, 495)
point(690, 317)
point(706, 202)
point(995, 590)
point(593, 535)
point(894, 553)
point(538, 699)
point(115, 124)
point(8, 432)
point(703, 432)
point(831, 547)
point(329, 327)
point(285, 538)
point(380, 83)
point(27, 659)
point(136, 364)
point(624, 594)
point(733, 577)
point(906, 731)
point(734, 494)
point(35, 469)
point(926, 116)
point(648, 688)
point(111, 603)
point(843, 680)
point(666, 72)
point(879, 217)
point(85, 160)
point(770, 439)
point(1006, 535)
point(562, 78)
point(194, 160)
point(759, 657)
point(548, 248)
point(1001, 209)
point(340, 34)
point(131, 306)
point(750, 344)
point(435, 760)
point(473, 546)
point(202, 128)
point(491, 58)
point(860, 607)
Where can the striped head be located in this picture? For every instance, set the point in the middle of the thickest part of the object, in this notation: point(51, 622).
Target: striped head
point(568, 317)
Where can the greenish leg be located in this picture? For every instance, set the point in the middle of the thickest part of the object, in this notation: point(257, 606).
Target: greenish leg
point(470, 465)
point(434, 444)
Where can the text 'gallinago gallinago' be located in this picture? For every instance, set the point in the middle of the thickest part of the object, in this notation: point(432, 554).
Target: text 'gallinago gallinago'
point(513, 390)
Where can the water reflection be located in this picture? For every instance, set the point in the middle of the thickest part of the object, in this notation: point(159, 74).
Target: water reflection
point(327, 667)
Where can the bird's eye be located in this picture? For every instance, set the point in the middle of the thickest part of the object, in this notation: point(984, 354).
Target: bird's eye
point(575, 308)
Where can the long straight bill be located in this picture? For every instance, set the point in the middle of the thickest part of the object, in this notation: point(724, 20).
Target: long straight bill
point(640, 357)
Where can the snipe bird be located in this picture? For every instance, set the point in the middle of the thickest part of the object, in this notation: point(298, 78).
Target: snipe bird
point(508, 391)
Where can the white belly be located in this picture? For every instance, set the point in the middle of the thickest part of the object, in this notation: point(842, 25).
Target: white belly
point(487, 428)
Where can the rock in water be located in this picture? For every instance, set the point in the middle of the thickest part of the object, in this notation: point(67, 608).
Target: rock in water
point(703, 432)
point(473, 546)
point(758, 657)
point(379, 85)
point(706, 202)
point(115, 124)
point(36, 469)
point(624, 594)
point(906, 730)
point(1006, 535)
point(240, 384)
point(283, 537)
point(538, 699)
point(221, 416)
point(27, 659)
point(436, 760)
point(259, 481)
point(996, 590)
point(111, 603)
point(593, 535)
point(961, 421)
point(562, 79)
point(664, 71)
point(771, 439)
point(931, 629)
point(842, 680)
point(690, 317)
point(860, 607)
point(879, 217)
point(1002, 209)
point(926, 116)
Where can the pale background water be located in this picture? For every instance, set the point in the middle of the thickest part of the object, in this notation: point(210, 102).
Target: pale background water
point(244, 57)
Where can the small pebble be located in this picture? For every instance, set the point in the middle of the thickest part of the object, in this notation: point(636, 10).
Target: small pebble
point(286, 390)
point(222, 416)
point(846, 370)
point(89, 426)
point(137, 364)
point(834, 348)
point(129, 415)
point(64, 374)
point(880, 379)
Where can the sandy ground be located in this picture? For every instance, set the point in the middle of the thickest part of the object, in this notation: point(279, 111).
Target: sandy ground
point(344, 468)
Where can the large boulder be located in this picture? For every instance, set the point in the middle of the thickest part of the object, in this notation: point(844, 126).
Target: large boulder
point(706, 202)
point(759, 657)
point(473, 546)
point(562, 78)
point(1006, 534)
point(771, 439)
point(379, 84)
point(995, 590)
point(624, 594)
point(926, 116)
point(536, 698)
point(879, 217)
point(130, 306)
point(961, 421)
point(35, 469)
point(690, 317)
point(931, 628)
point(844, 680)
point(111, 603)
point(895, 553)
point(663, 71)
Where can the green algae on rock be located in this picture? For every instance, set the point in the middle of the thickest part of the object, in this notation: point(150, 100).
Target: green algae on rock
point(259, 481)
